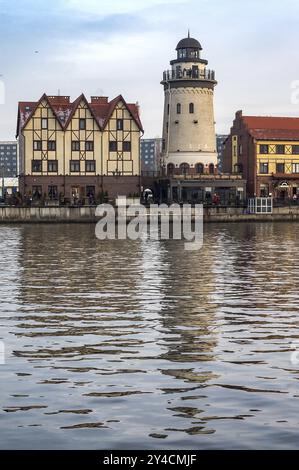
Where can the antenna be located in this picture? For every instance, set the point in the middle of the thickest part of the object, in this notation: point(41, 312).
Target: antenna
point(188, 33)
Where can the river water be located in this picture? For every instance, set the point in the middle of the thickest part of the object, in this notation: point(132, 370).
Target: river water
point(141, 344)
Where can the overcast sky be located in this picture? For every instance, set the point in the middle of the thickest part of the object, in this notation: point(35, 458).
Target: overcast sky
point(111, 47)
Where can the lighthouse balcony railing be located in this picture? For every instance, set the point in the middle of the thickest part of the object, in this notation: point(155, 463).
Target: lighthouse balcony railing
point(189, 74)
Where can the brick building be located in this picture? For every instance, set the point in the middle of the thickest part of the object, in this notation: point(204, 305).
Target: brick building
point(265, 150)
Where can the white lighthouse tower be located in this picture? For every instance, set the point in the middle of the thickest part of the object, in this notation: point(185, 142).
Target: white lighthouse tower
point(189, 140)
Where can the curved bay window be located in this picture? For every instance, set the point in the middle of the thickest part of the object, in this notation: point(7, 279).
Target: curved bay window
point(184, 168)
point(170, 169)
point(211, 168)
point(178, 108)
point(191, 108)
point(199, 168)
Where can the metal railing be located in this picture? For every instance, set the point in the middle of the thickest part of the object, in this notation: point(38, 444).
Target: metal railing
point(188, 74)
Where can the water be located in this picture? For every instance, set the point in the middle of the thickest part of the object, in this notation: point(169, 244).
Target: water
point(124, 344)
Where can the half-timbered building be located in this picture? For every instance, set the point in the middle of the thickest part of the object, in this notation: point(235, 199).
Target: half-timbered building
point(79, 150)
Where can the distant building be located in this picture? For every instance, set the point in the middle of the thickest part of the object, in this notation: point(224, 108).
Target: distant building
point(79, 150)
point(220, 139)
point(265, 150)
point(8, 167)
point(151, 153)
point(9, 159)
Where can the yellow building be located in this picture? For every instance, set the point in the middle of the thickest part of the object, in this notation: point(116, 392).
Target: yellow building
point(79, 150)
point(266, 151)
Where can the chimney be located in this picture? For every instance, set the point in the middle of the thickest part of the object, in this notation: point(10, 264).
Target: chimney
point(99, 99)
point(58, 99)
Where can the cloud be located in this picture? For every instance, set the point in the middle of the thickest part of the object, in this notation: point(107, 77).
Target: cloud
point(123, 46)
point(109, 7)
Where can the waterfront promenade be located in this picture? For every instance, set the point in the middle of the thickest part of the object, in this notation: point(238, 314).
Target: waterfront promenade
point(86, 214)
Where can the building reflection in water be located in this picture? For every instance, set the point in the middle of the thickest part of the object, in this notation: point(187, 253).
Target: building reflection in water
point(143, 340)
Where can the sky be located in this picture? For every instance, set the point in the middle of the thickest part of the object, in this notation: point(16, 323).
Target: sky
point(112, 47)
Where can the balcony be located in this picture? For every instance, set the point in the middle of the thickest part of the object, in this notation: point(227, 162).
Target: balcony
point(189, 74)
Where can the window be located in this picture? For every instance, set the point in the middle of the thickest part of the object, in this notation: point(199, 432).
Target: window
point(178, 108)
point(295, 149)
point(264, 190)
point(127, 146)
point(52, 192)
point(52, 166)
point(44, 123)
point(295, 168)
point(51, 145)
point(191, 108)
point(75, 145)
point(37, 145)
point(120, 124)
point(75, 166)
point(211, 168)
point(170, 169)
point(264, 168)
point(168, 109)
point(90, 166)
point(89, 146)
point(264, 149)
point(279, 167)
point(82, 124)
point(184, 168)
point(238, 168)
point(199, 168)
point(36, 166)
point(37, 192)
point(280, 149)
point(112, 146)
point(90, 192)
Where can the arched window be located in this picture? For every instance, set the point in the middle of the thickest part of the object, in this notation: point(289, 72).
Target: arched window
point(199, 168)
point(170, 169)
point(184, 168)
point(211, 168)
point(178, 108)
point(191, 108)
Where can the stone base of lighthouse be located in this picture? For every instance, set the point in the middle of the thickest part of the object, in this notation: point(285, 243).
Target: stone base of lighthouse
point(191, 163)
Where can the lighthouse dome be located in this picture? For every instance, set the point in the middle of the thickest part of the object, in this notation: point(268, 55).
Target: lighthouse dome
point(189, 43)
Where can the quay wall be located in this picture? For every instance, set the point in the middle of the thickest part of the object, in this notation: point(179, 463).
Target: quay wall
point(86, 214)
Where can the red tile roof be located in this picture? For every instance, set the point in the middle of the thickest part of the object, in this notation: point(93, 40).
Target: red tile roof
point(276, 128)
point(64, 110)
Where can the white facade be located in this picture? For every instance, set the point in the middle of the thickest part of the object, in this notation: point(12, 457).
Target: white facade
point(188, 124)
